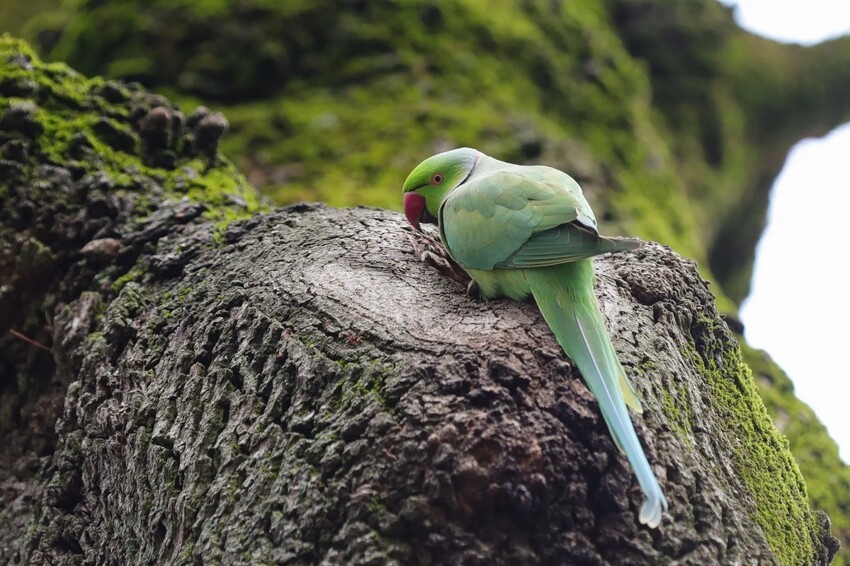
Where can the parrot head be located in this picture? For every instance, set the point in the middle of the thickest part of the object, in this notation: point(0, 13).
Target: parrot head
point(431, 181)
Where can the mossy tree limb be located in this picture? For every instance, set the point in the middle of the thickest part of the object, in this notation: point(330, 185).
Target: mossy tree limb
point(91, 177)
point(310, 390)
point(675, 120)
point(827, 477)
point(299, 386)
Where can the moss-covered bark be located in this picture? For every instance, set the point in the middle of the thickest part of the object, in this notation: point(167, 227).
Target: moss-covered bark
point(300, 386)
point(92, 174)
point(717, 109)
point(275, 400)
point(734, 103)
point(674, 118)
point(827, 477)
point(342, 87)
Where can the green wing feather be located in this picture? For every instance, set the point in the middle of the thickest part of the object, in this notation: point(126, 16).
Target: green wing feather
point(508, 220)
point(563, 244)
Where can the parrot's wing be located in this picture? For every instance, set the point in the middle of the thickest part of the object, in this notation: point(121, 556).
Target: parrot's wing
point(508, 220)
point(565, 243)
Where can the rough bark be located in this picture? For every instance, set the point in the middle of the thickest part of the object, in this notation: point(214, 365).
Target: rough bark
point(310, 391)
point(299, 387)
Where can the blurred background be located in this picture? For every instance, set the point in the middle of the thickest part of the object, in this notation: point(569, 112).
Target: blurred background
point(683, 122)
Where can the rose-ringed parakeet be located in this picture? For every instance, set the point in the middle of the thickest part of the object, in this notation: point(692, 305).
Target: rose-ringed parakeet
point(527, 230)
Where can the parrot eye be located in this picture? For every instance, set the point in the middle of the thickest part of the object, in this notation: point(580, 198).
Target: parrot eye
point(436, 179)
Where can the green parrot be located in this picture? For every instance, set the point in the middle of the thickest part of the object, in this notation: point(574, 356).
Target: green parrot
point(527, 230)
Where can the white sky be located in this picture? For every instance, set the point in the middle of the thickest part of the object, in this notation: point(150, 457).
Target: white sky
point(799, 305)
point(797, 21)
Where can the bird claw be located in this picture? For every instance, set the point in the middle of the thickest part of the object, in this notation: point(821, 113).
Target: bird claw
point(431, 251)
point(417, 247)
point(434, 260)
point(473, 290)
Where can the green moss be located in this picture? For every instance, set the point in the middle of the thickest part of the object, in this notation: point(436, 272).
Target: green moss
point(827, 477)
point(761, 453)
point(676, 404)
point(78, 124)
point(665, 112)
point(222, 189)
point(131, 275)
point(342, 113)
point(677, 407)
point(184, 293)
point(360, 382)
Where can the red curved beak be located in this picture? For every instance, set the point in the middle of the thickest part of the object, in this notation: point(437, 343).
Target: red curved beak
point(414, 207)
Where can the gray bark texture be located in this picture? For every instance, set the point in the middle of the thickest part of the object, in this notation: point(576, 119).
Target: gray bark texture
point(299, 387)
point(308, 390)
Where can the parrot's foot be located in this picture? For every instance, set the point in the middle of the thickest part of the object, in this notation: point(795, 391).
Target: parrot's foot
point(432, 252)
point(432, 259)
point(473, 290)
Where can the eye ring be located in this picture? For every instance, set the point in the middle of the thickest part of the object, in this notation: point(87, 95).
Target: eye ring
point(437, 178)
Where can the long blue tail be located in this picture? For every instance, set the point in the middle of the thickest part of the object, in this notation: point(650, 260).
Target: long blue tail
point(564, 295)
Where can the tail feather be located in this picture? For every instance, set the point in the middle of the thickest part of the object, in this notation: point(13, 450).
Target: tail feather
point(628, 390)
point(617, 244)
point(565, 297)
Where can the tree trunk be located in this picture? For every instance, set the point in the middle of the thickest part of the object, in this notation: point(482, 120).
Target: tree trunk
point(299, 387)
